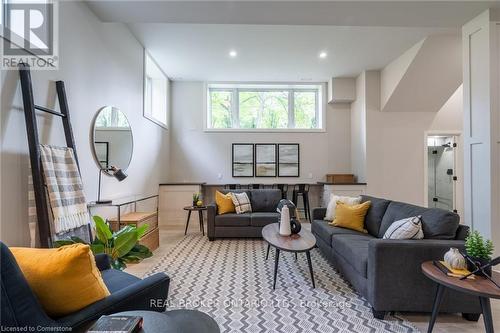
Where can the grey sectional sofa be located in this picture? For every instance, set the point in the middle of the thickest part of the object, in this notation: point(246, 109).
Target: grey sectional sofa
point(387, 272)
point(264, 203)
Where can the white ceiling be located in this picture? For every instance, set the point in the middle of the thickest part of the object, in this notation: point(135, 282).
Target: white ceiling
point(421, 13)
point(273, 53)
point(281, 40)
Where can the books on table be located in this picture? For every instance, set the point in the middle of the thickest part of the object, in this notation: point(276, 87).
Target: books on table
point(117, 324)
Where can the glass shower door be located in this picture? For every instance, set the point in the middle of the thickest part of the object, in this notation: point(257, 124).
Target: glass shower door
point(441, 172)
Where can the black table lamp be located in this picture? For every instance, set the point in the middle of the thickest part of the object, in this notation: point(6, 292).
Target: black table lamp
point(115, 172)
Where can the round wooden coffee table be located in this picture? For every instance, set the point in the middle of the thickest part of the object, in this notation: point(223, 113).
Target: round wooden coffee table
point(200, 210)
point(480, 286)
point(304, 241)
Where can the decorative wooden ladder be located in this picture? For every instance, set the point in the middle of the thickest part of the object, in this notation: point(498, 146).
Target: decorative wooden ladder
point(42, 207)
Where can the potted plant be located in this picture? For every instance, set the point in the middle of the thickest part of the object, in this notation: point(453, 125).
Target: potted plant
point(121, 246)
point(479, 249)
point(197, 200)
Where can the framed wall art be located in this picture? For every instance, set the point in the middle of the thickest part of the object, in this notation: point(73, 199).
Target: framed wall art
point(288, 160)
point(265, 160)
point(243, 160)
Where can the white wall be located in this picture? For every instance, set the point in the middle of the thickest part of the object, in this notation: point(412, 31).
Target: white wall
point(200, 156)
point(358, 130)
point(396, 144)
point(101, 64)
point(392, 74)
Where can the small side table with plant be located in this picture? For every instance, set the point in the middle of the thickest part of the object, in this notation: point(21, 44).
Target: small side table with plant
point(478, 282)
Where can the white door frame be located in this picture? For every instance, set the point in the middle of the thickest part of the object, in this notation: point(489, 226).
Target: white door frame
point(458, 189)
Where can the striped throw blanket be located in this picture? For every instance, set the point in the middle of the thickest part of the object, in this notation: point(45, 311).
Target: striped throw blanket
point(65, 188)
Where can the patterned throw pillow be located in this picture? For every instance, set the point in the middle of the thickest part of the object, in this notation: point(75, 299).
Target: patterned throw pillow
point(409, 228)
point(241, 203)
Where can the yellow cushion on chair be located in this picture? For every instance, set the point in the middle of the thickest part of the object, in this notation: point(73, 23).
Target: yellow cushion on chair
point(224, 203)
point(64, 279)
point(351, 217)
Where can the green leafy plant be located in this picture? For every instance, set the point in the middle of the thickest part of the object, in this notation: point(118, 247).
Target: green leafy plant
point(196, 197)
point(121, 246)
point(477, 247)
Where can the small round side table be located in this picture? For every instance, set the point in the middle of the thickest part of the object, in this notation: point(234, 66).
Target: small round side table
point(480, 287)
point(200, 210)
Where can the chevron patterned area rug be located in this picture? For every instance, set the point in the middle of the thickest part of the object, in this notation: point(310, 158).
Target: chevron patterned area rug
point(232, 282)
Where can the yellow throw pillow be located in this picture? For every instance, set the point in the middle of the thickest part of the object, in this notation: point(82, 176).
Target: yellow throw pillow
point(65, 279)
point(351, 217)
point(224, 203)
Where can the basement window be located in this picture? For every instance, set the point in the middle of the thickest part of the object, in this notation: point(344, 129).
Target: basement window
point(156, 92)
point(265, 107)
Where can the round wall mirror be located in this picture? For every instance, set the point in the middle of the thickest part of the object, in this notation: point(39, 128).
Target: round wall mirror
point(112, 139)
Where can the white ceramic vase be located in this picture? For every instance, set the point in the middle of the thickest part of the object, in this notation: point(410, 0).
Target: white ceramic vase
point(285, 228)
point(455, 259)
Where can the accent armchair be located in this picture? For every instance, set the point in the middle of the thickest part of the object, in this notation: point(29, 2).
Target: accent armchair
point(20, 307)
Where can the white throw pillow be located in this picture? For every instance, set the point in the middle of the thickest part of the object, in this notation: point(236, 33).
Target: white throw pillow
point(241, 203)
point(332, 205)
point(409, 228)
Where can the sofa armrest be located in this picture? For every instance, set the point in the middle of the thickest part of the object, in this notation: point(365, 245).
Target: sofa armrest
point(102, 261)
point(319, 213)
point(394, 273)
point(149, 294)
point(211, 213)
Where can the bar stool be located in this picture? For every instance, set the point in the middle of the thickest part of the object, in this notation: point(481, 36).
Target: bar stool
point(232, 186)
point(302, 190)
point(255, 186)
point(283, 188)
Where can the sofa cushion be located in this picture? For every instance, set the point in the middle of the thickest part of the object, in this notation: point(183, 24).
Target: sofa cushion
point(436, 223)
point(233, 220)
point(261, 219)
point(354, 249)
point(375, 213)
point(265, 200)
point(323, 230)
point(116, 280)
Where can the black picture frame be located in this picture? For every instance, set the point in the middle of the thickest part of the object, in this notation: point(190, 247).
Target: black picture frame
point(271, 160)
point(288, 166)
point(237, 164)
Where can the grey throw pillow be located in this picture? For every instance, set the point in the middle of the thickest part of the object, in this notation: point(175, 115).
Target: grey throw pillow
point(409, 228)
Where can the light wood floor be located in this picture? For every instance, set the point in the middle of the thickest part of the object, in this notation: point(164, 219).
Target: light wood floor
point(445, 323)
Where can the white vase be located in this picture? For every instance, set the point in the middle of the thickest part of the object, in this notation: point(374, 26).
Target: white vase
point(455, 259)
point(285, 228)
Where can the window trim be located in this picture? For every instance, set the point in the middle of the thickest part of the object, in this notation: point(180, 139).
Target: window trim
point(320, 102)
point(144, 87)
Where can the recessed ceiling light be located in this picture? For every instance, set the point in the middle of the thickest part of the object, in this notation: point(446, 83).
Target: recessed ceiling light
point(233, 53)
point(323, 55)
